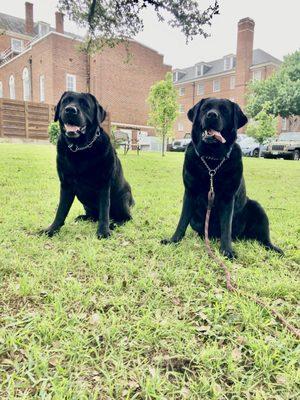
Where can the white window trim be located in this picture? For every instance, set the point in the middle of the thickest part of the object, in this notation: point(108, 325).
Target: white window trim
point(14, 40)
point(201, 67)
point(42, 88)
point(180, 127)
point(257, 75)
point(181, 91)
point(230, 63)
point(181, 108)
point(74, 82)
point(12, 87)
point(1, 89)
point(284, 124)
point(175, 76)
point(232, 82)
point(26, 85)
point(42, 25)
point(200, 93)
point(214, 85)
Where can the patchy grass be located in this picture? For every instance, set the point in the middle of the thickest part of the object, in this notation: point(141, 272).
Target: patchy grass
point(127, 318)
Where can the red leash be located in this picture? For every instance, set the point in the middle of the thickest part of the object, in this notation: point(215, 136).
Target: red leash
point(229, 286)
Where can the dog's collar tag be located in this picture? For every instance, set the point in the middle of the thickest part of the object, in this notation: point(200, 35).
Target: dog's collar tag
point(89, 145)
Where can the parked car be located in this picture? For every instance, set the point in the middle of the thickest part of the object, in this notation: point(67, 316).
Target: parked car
point(181, 144)
point(286, 145)
point(250, 146)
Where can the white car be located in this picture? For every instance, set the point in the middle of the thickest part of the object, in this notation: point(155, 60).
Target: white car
point(249, 146)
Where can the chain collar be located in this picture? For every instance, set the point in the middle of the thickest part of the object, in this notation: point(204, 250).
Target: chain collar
point(88, 146)
point(209, 157)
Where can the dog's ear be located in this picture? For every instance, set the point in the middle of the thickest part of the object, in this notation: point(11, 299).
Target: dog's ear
point(100, 112)
point(57, 108)
point(194, 110)
point(240, 118)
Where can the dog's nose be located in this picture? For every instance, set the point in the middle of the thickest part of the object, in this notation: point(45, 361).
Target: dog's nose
point(212, 114)
point(72, 110)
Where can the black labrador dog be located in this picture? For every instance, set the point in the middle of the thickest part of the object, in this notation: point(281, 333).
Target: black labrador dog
point(234, 215)
point(88, 166)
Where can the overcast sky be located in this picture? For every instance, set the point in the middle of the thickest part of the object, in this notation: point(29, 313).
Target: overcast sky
point(277, 29)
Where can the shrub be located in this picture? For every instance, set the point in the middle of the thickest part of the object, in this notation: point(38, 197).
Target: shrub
point(53, 131)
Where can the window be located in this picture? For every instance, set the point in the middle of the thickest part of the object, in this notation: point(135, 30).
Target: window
point(181, 108)
point(43, 28)
point(232, 82)
point(26, 85)
point(199, 70)
point(181, 91)
point(180, 126)
point(228, 63)
point(12, 89)
point(256, 75)
point(42, 88)
point(216, 85)
point(71, 83)
point(16, 45)
point(284, 124)
point(200, 88)
point(1, 90)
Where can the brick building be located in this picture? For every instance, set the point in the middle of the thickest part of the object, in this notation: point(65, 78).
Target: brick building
point(38, 63)
point(226, 77)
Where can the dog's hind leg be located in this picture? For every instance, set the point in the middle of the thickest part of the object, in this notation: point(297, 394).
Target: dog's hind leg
point(120, 211)
point(88, 216)
point(257, 225)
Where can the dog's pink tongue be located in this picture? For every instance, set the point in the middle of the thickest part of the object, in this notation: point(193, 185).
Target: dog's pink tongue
point(71, 128)
point(217, 135)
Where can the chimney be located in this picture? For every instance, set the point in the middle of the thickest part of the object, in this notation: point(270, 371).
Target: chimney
point(244, 55)
point(29, 18)
point(59, 22)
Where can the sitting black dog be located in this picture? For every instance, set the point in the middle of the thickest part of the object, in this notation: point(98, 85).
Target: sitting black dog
point(88, 166)
point(234, 215)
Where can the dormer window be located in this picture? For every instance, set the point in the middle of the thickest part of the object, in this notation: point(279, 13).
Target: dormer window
point(228, 63)
point(199, 70)
point(43, 28)
point(175, 76)
point(16, 45)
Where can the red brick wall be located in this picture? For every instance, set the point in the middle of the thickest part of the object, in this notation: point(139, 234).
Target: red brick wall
point(41, 55)
point(122, 88)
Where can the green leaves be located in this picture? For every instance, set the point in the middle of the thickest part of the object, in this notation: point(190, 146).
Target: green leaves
point(263, 125)
point(111, 22)
point(281, 90)
point(163, 106)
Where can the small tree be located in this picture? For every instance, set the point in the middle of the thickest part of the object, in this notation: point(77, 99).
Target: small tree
point(53, 131)
point(263, 125)
point(163, 107)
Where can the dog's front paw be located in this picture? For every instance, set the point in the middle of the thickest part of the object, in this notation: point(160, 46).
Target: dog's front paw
point(228, 253)
point(170, 241)
point(48, 231)
point(103, 234)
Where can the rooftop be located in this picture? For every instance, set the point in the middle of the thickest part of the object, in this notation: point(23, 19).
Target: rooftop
point(17, 25)
point(217, 66)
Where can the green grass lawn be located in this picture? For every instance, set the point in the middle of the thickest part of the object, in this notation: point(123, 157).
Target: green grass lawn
point(128, 318)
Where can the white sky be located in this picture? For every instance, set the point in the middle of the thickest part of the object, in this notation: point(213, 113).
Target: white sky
point(277, 29)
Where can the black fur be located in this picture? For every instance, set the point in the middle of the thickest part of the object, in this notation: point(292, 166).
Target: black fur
point(234, 215)
point(94, 175)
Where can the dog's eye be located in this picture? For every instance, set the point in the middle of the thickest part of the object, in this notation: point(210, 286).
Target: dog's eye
point(83, 103)
point(223, 109)
point(68, 99)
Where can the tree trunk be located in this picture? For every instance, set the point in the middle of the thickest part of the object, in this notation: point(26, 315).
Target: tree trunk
point(163, 144)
